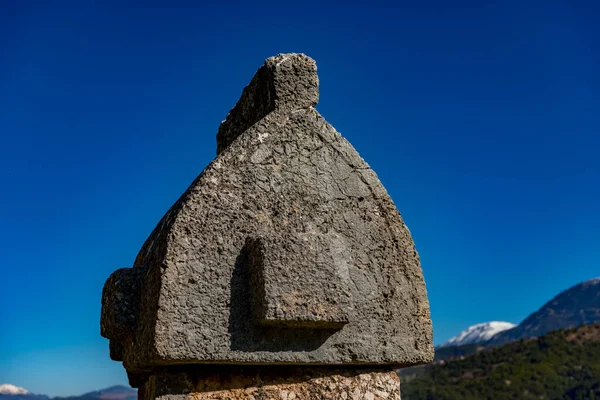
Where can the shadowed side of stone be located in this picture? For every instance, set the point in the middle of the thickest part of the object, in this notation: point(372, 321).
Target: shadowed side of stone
point(120, 304)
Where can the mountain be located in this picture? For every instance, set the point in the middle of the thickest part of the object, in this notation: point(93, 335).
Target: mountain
point(574, 307)
point(111, 393)
point(23, 396)
point(9, 389)
point(560, 365)
point(11, 392)
point(479, 333)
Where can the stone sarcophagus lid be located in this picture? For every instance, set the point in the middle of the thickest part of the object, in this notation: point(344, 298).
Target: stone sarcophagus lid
point(285, 250)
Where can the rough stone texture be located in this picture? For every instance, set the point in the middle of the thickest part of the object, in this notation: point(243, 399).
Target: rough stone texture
point(120, 301)
point(280, 384)
point(285, 250)
point(284, 82)
point(283, 289)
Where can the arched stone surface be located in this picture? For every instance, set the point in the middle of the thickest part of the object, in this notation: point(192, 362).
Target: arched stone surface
point(338, 280)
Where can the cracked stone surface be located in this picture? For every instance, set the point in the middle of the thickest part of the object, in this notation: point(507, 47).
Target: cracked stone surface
point(285, 250)
point(290, 384)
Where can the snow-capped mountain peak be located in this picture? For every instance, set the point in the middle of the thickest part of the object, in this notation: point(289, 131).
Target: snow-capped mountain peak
point(9, 389)
point(479, 333)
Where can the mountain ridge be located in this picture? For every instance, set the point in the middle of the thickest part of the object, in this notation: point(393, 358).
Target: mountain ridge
point(116, 392)
point(572, 307)
point(575, 306)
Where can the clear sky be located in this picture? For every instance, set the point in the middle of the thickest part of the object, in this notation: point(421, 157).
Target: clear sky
point(482, 121)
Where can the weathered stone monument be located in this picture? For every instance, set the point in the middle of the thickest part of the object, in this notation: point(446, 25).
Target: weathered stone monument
point(283, 272)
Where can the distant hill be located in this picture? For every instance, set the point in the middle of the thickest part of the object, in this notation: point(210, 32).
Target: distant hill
point(450, 352)
point(23, 396)
point(574, 307)
point(480, 333)
point(12, 392)
point(111, 393)
point(563, 364)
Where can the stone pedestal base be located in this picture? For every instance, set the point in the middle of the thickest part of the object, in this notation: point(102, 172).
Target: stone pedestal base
point(277, 383)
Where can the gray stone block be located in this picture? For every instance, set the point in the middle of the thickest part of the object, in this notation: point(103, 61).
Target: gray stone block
point(301, 287)
point(285, 250)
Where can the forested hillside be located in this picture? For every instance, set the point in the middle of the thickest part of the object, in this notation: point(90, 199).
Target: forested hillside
point(563, 364)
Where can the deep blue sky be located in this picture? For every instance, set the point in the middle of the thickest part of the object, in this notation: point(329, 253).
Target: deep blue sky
point(483, 122)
